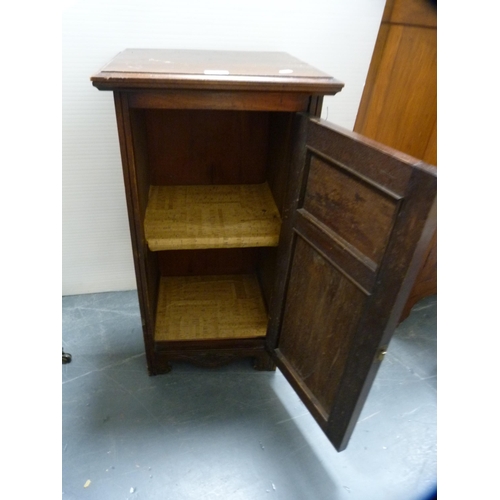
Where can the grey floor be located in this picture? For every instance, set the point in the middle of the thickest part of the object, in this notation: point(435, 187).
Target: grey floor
point(234, 433)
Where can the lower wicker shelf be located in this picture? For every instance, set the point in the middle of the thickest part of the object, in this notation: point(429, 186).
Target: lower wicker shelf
point(210, 308)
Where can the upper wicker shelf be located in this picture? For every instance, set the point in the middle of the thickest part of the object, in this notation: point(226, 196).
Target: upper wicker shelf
point(195, 217)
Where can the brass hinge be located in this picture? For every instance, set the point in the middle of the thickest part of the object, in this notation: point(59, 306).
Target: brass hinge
point(381, 353)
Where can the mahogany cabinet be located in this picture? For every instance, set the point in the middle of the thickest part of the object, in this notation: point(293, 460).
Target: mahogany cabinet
point(260, 230)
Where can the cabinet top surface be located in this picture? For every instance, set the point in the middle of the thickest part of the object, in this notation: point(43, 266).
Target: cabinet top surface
point(207, 69)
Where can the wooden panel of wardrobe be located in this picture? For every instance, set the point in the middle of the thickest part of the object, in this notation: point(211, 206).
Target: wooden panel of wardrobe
point(399, 103)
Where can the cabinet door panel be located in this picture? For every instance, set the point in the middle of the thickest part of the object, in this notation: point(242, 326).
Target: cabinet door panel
point(358, 221)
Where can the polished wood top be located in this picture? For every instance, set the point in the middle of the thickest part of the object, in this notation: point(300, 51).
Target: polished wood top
point(208, 69)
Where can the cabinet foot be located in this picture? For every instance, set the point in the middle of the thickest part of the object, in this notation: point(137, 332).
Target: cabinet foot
point(263, 362)
point(160, 367)
point(66, 357)
point(212, 354)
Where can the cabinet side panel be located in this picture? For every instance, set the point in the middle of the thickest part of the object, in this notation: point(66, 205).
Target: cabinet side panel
point(280, 128)
point(131, 132)
point(266, 272)
point(142, 177)
point(139, 158)
point(298, 131)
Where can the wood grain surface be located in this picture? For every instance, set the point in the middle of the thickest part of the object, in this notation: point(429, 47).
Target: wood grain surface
point(216, 70)
point(399, 102)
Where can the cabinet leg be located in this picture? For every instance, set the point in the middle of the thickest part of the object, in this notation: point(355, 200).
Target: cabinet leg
point(160, 367)
point(263, 362)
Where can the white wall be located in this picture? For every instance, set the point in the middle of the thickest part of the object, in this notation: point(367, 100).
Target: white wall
point(336, 36)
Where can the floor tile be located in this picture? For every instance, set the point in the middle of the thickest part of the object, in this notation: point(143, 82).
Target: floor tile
point(234, 433)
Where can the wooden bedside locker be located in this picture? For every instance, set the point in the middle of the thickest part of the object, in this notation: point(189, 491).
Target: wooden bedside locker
point(258, 229)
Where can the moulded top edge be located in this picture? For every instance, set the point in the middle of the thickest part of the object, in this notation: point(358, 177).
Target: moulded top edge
point(134, 68)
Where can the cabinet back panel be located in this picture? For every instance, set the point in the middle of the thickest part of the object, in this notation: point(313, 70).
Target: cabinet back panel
point(200, 147)
point(208, 262)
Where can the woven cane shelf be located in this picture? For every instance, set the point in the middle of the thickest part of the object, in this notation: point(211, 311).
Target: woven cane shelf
point(191, 217)
point(210, 307)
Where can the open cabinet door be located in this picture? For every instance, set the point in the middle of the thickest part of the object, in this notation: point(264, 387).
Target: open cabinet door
point(358, 221)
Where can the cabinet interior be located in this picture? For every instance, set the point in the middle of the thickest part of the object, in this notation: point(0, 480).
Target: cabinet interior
point(211, 187)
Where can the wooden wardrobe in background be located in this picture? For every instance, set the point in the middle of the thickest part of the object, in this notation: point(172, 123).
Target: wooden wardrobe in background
point(399, 103)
